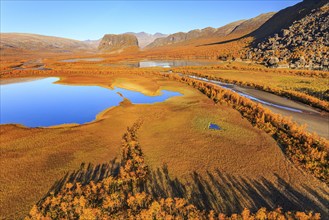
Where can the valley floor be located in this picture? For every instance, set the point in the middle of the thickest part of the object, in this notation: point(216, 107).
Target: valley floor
point(239, 166)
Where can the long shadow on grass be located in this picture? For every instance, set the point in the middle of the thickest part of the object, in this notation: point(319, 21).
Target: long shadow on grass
point(229, 194)
point(213, 190)
point(85, 174)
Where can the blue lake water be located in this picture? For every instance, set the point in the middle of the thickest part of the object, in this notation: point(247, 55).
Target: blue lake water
point(42, 103)
point(214, 126)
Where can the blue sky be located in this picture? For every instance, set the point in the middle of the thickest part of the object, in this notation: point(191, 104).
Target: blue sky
point(83, 20)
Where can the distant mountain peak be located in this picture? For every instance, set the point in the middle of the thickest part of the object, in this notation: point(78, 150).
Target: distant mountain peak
point(146, 38)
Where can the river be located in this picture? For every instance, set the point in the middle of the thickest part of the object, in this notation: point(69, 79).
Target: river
point(315, 120)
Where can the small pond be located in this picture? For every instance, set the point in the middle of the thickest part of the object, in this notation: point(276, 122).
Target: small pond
point(214, 126)
point(42, 103)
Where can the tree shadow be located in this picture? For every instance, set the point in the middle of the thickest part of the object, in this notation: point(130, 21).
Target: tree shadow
point(218, 191)
point(160, 185)
point(229, 194)
point(85, 174)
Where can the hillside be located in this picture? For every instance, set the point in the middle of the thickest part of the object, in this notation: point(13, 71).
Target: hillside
point(252, 24)
point(304, 44)
point(237, 28)
point(35, 42)
point(194, 34)
point(285, 18)
point(113, 42)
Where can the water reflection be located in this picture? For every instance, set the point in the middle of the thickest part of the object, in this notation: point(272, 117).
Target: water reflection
point(162, 63)
point(43, 103)
point(96, 59)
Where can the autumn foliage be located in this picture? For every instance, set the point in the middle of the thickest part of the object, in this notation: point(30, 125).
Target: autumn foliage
point(306, 150)
point(122, 197)
point(293, 95)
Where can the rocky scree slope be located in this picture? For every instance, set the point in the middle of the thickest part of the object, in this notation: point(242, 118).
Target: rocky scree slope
point(303, 45)
point(285, 18)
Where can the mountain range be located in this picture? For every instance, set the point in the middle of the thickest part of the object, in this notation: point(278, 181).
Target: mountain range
point(36, 42)
point(143, 39)
point(235, 28)
point(293, 36)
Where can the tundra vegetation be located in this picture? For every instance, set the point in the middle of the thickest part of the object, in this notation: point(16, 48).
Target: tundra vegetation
point(259, 165)
point(127, 193)
point(185, 119)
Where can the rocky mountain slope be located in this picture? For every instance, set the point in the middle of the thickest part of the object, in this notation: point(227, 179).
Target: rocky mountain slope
point(304, 44)
point(284, 18)
point(252, 24)
point(35, 42)
point(113, 42)
point(240, 28)
point(194, 34)
point(145, 39)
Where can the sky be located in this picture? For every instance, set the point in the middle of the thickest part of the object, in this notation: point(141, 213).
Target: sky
point(84, 20)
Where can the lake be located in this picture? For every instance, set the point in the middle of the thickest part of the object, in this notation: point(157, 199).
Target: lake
point(148, 63)
point(41, 103)
point(163, 63)
point(95, 59)
point(174, 63)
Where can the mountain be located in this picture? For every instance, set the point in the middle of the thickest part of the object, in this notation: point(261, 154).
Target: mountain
point(144, 38)
point(284, 18)
point(303, 44)
point(193, 34)
point(113, 42)
point(252, 24)
point(240, 28)
point(35, 42)
point(93, 43)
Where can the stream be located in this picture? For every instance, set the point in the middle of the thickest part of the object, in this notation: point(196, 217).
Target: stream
point(315, 120)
